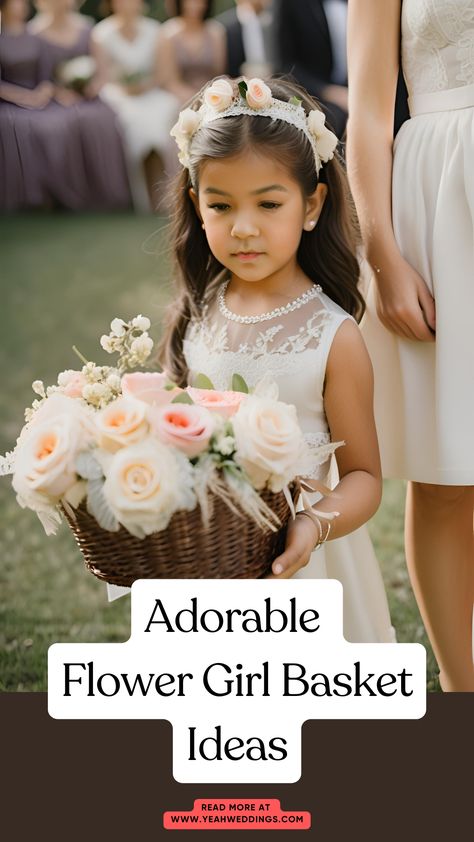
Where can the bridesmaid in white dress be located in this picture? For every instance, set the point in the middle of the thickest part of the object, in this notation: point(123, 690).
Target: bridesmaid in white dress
point(416, 208)
point(127, 46)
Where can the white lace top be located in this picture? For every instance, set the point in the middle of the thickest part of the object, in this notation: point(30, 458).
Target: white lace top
point(437, 44)
point(293, 348)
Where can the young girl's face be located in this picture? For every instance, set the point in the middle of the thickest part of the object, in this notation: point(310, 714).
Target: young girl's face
point(254, 214)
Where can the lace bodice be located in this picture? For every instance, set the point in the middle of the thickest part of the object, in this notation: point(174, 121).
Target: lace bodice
point(292, 348)
point(127, 57)
point(437, 44)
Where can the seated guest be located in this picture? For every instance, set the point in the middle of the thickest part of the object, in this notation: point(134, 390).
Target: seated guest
point(192, 49)
point(250, 38)
point(23, 96)
point(127, 46)
point(85, 161)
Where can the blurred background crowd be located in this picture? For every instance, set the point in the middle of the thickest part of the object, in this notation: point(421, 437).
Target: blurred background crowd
point(89, 92)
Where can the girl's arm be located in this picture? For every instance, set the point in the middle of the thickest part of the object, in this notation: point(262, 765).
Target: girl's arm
point(404, 302)
point(219, 37)
point(348, 403)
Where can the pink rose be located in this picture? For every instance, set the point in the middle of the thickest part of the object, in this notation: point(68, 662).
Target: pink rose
point(259, 94)
point(225, 403)
point(72, 383)
point(149, 388)
point(185, 426)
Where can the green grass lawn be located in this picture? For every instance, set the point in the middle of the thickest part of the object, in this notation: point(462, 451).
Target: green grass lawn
point(63, 279)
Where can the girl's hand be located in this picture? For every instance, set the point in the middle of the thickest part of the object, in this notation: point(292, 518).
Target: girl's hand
point(301, 538)
point(404, 303)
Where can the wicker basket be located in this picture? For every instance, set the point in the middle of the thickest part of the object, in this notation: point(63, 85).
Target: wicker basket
point(233, 547)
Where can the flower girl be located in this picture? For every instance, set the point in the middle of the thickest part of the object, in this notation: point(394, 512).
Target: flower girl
point(264, 240)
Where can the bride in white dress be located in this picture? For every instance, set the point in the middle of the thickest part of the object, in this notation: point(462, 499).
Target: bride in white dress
point(416, 209)
point(126, 46)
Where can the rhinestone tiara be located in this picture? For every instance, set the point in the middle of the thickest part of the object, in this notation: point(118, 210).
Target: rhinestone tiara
point(253, 98)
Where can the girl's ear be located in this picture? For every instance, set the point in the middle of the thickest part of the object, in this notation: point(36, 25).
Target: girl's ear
point(314, 206)
point(195, 200)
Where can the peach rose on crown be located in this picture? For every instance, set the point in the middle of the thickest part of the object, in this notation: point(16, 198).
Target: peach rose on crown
point(253, 97)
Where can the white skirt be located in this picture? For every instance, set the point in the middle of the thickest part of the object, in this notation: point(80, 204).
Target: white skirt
point(424, 392)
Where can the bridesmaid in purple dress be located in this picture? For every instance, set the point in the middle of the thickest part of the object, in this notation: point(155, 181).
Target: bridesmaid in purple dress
point(23, 97)
point(92, 153)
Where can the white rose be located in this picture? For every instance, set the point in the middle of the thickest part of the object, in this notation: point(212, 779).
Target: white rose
point(326, 141)
point(259, 94)
point(141, 323)
point(146, 484)
point(219, 95)
point(188, 123)
point(269, 441)
point(118, 327)
point(46, 453)
point(123, 422)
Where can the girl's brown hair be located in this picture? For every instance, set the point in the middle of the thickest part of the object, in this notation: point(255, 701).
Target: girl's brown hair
point(327, 255)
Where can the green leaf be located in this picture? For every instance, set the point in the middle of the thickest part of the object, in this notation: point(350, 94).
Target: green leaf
point(239, 384)
point(295, 100)
point(243, 89)
point(202, 382)
point(170, 386)
point(183, 397)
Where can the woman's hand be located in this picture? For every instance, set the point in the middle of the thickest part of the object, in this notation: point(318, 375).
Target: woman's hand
point(67, 97)
point(404, 303)
point(301, 538)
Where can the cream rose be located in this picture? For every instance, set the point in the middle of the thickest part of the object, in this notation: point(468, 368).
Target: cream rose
point(225, 403)
point(45, 457)
point(259, 94)
point(269, 441)
point(326, 141)
point(121, 423)
point(184, 426)
point(146, 484)
point(219, 95)
point(149, 387)
point(188, 123)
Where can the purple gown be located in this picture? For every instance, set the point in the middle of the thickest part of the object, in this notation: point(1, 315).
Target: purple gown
point(87, 143)
point(22, 165)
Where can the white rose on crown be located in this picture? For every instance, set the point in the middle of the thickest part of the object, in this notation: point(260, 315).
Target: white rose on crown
point(326, 140)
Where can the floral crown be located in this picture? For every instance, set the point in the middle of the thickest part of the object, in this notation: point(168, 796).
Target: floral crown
point(255, 98)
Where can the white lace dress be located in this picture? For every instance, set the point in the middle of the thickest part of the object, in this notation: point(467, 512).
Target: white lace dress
point(293, 348)
point(424, 392)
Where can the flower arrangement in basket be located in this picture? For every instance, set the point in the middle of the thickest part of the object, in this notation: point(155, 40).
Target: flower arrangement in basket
point(155, 480)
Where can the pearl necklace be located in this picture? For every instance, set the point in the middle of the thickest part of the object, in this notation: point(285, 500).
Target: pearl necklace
point(265, 317)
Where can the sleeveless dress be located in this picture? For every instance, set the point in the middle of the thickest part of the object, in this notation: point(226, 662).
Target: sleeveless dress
point(293, 349)
point(146, 119)
point(424, 392)
point(197, 67)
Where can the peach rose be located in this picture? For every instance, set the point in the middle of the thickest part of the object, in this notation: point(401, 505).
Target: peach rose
point(269, 441)
point(259, 94)
point(225, 403)
point(219, 95)
point(121, 423)
point(149, 387)
point(184, 426)
point(46, 453)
